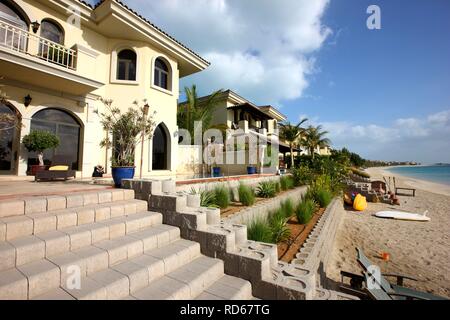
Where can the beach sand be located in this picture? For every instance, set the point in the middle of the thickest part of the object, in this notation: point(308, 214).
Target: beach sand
point(418, 249)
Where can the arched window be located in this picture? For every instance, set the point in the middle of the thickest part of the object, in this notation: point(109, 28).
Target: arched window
point(126, 65)
point(160, 149)
point(9, 134)
point(51, 31)
point(66, 127)
point(162, 75)
point(11, 14)
point(47, 50)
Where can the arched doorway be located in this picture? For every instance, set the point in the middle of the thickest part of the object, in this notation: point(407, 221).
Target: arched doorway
point(160, 151)
point(66, 127)
point(9, 137)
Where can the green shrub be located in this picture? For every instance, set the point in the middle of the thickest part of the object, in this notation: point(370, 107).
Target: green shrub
point(259, 230)
point(208, 199)
point(323, 197)
point(278, 227)
point(286, 183)
point(246, 195)
point(360, 173)
point(302, 176)
point(287, 207)
point(277, 186)
point(310, 193)
point(222, 197)
point(305, 210)
point(266, 189)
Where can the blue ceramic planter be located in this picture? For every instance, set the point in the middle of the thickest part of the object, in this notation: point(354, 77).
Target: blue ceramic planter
point(216, 172)
point(119, 173)
point(251, 170)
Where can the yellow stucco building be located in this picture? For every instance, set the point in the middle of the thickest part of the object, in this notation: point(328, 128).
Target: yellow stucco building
point(57, 57)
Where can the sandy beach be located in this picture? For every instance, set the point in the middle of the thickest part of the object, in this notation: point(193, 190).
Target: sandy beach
point(418, 249)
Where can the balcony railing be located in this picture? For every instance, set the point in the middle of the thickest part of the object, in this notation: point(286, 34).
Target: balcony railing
point(19, 40)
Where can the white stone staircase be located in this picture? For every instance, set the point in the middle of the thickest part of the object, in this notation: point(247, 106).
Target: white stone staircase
point(122, 251)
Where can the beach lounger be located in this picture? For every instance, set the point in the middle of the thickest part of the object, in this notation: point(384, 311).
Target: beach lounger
point(385, 290)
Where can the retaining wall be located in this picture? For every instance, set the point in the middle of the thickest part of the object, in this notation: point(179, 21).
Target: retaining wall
point(263, 208)
point(232, 183)
point(250, 260)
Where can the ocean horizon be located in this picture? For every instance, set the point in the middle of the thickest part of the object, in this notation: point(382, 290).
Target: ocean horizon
point(433, 173)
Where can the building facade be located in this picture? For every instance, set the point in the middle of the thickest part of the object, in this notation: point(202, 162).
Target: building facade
point(243, 118)
point(58, 57)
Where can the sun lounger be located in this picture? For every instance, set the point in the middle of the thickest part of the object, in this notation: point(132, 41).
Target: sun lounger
point(56, 174)
point(383, 289)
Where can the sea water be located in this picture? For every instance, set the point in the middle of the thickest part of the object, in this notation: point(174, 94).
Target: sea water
point(438, 174)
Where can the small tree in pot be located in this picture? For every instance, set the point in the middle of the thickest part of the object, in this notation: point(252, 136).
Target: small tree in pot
point(127, 130)
point(39, 141)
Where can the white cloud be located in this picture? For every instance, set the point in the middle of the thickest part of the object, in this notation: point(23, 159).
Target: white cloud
point(425, 140)
point(440, 118)
point(260, 48)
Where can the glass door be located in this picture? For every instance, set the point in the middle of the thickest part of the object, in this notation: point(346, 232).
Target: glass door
point(8, 136)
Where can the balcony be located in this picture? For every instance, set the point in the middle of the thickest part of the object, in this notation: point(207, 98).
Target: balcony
point(25, 42)
point(28, 58)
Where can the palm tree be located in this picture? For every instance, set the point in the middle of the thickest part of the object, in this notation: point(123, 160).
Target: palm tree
point(195, 109)
point(314, 137)
point(291, 134)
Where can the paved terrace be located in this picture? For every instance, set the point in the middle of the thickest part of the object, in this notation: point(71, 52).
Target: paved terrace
point(20, 189)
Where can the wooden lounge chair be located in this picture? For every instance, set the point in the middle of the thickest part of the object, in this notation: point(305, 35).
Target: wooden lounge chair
point(413, 191)
point(385, 290)
point(56, 174)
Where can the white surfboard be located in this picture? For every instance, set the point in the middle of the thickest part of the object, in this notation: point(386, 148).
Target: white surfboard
point(400, 215)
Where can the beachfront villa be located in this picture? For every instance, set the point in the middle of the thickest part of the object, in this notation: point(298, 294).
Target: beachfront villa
point(58, 57)
point(236, 236)
point(245, 119)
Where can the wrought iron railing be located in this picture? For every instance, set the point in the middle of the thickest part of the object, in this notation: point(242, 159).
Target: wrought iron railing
point(22, 41)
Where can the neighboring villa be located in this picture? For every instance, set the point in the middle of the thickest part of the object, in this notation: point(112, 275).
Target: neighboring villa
point(246, 118)
point(54, 72)
point(323, 151)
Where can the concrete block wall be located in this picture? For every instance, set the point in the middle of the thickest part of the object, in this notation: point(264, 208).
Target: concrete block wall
point(263, 208)
point(318, 246)
point(249, 260)
point(253, 261)
point(232, 184)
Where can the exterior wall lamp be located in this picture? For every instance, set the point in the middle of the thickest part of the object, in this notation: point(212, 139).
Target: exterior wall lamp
point(27, 100)
point(35, 26)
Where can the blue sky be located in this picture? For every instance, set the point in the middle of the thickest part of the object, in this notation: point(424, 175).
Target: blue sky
point(382, 93)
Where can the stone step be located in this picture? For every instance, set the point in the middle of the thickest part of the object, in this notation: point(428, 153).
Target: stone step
point(228, 288)
point(120, 280)
point(33, 279)
point(31, 205)
point(25, 225)
point(186, 282)
point(27, 249)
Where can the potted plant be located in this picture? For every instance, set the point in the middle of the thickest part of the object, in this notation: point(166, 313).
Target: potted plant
point(216, 171)
point(39, 141)
point(127, 129)
point(251, 170)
